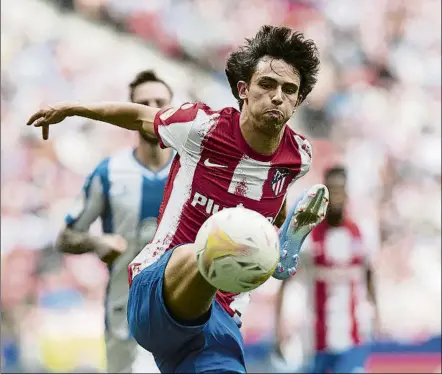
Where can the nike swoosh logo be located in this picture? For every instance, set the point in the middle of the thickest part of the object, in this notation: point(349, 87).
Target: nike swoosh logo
point(210, 164)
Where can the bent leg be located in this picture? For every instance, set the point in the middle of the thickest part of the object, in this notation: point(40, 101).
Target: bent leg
point(214, 344)
point(150, 322)
point(187, 295)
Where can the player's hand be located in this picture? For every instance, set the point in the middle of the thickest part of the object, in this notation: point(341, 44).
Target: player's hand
point(116, 245)
point(49, 115)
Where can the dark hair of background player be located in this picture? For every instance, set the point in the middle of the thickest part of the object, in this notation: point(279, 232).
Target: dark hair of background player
point(335, 171)
point(279, 43)
point(144, 77)
point(336, 179)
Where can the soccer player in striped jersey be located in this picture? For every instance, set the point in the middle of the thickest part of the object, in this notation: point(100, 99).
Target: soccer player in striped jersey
point(125, 191)
point(339, 280)
point(225, 158)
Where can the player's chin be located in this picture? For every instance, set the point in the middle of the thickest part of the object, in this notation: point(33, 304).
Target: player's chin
point(152, 140)
point(272, 125)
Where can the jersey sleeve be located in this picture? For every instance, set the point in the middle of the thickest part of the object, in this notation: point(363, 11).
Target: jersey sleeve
point(89, 203)
point(360, 244)
point(305, 153)
point(363, 247)
point(174, 126)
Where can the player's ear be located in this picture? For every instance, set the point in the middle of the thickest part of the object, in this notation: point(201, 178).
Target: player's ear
point(242, 89)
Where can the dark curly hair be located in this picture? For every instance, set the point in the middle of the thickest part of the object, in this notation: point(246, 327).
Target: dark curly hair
point(279, 43)
point(144, 77)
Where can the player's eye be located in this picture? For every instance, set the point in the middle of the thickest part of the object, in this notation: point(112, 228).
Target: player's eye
point(266, 85)
point(290, 90)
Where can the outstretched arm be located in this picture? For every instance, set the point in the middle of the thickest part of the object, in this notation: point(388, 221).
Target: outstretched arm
point(130, 116)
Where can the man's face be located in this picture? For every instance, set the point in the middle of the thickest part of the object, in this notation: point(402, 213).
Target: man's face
point(271, 96)
point(338, 195)
point(154, 94)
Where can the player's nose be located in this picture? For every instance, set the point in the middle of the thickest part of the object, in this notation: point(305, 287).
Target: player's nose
point(277, 97)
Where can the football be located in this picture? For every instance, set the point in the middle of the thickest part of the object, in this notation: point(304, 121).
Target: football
point(237, 249)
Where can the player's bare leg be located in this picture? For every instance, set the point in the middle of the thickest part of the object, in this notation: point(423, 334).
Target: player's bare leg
point(188, 296)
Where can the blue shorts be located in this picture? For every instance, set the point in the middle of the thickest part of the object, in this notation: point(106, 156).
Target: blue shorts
point(350, 361)
point(215, 346)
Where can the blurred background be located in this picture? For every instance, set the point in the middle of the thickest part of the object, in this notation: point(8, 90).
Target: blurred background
point(376, 109)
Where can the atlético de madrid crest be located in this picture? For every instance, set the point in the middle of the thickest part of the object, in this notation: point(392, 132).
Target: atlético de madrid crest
point(279, 180)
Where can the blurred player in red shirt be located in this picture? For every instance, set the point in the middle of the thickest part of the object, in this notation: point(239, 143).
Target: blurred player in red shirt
point(225, 158)
point(339, 285)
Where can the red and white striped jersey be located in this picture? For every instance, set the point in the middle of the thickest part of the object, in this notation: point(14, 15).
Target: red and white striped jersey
point(336, 264)
point(215, 168)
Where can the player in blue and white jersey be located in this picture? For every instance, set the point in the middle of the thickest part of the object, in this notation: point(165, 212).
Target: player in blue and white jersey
point(125, 191)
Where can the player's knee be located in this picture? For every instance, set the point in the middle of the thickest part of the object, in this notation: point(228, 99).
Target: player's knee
point(186, 293)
